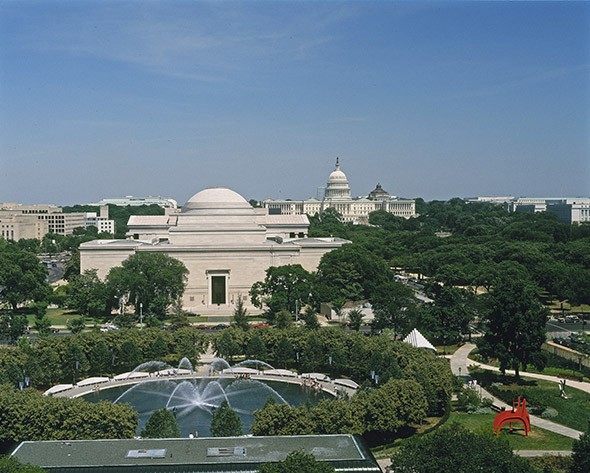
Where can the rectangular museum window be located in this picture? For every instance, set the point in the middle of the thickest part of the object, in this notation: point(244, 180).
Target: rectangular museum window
point(218, 289)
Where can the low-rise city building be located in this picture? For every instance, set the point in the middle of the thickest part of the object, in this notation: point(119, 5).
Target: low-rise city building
point(132, 201)
point(35, 221)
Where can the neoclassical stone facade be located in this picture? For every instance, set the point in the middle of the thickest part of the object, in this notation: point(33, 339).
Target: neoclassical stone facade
point(337, 196)
point(224, 242)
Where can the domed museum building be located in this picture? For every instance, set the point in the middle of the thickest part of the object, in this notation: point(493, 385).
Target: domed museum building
point(225, 243)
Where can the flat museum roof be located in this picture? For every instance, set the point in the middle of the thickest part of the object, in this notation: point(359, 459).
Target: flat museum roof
point(344, 451)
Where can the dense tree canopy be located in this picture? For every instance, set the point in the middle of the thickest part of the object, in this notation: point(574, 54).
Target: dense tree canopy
point(89, 295)
point(28, 415)
point(161, 425)
point(351, 272)
point(153, 280)
point(22, 276)
point(12, 465)
point(515, 325)
point(581, 453)
point(286, 287)
point(226, 422)
point(395, 307)
point(457, 449)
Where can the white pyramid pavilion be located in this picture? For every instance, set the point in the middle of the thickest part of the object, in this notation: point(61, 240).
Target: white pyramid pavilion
point(416, 339)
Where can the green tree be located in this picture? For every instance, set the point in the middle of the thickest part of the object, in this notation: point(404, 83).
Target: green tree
point(158, 348)
point(515, 325)
point(355, 319)
point(129, 355)
point(228, 344)
point(12, 465)
point(190, 343)
point(100, 358)
point(283, 319)
point(28, 415)
point(76, 325)
point(281, 419)
point(351, 272)
point(454, 448)
point(284, 287)
point(310, 318)
point(448, 317)
point(327, 223)
point(12, 326)
point(89, 295)
point(153, 280)
point(43, 325)
point(395, 307)
point(336, 416)
point(396, 404)
point(240, 316)
point(72, 269)
point(22, 277)
point(161, 425)
point(313, 358)
point(283, 352)
point(178, 317)
point(255, 348)
point(581, 453)
point(225, 422)
point(297, 462)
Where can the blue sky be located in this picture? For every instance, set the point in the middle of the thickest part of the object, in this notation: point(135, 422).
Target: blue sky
point(431, 99)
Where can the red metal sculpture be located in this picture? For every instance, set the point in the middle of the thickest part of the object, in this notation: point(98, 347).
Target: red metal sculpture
point(517, 414)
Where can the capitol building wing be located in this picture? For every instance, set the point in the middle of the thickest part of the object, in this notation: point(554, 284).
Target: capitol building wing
point(337, 196)
point(223, 241)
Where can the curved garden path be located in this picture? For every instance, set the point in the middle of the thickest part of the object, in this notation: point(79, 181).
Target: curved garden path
point(460, 362)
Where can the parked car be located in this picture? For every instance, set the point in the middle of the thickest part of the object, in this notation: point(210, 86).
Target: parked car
point(260, 324)
point(219, 327)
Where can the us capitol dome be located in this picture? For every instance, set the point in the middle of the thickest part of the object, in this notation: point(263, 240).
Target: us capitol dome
point(337, 196)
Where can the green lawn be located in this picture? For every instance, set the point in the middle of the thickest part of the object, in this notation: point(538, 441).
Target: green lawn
point(58, 317)
point(557, 305)
point(446, 349)
point(572, 412)
point(555, 366)
point(538, 439)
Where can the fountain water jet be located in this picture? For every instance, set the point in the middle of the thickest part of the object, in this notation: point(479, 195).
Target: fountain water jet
point(186, 364)
point(193, 400)
point(256, 364)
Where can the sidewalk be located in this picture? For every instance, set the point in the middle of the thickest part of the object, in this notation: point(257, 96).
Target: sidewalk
point(459, 363)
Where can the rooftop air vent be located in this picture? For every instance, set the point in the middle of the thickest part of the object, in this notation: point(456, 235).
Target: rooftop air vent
point(153, 453)
point(226, 451)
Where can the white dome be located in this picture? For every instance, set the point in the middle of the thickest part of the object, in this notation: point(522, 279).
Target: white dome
point(216, 197)
point(337, 187)
point(337, 176)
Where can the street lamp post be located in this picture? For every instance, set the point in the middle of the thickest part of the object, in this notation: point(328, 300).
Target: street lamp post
point(76, 366)
point(24, 381)
point(140, 315)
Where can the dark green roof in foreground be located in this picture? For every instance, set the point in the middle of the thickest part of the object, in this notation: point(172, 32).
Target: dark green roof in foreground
point(347, 453)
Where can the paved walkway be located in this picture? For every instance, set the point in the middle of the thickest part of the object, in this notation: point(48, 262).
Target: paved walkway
point(459, 363)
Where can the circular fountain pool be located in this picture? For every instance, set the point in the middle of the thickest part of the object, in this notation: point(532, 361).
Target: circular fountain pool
point(193, 401)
